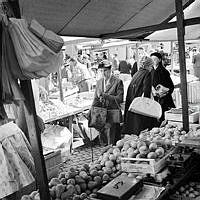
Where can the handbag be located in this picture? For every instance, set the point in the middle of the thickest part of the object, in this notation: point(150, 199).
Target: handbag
point(145, 106)
point(97, 117)
point(114, 115)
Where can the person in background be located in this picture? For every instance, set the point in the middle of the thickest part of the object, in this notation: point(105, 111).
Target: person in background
point(80, 75)
point(162, 76)
point(86, 61)
point(124, 68)
point(141, 52)
point(115, 62)
point(196, 64)
point(133, 64)
point(97, 58)
point(105, 57)
point(140, 85)
point(109, 89)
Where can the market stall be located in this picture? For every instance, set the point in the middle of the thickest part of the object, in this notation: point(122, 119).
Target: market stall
point(27, 89)
point(154, 165)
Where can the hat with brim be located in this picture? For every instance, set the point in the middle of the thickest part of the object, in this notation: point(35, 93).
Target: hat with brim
point(105, 64)
point(158, 55)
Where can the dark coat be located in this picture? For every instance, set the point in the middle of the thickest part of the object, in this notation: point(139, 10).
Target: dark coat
point(133, 69)
point(162, 76)
point(124, 67)
point(141, 84)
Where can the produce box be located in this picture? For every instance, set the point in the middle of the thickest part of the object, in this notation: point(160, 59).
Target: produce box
point(193, 117)
point(52, 162)
point(144, 165)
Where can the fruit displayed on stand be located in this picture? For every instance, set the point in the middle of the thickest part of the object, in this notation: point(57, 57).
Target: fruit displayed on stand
point(188, 191)
point(83, 182)
point(168, 135)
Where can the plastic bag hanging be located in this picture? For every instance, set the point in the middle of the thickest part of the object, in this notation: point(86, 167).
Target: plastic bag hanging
point(11, 59)
point(11, 91)
point(32, 54)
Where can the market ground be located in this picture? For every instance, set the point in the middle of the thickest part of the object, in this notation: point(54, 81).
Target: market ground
point(82, 155)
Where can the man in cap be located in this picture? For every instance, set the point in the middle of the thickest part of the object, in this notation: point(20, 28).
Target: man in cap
point(109, 94)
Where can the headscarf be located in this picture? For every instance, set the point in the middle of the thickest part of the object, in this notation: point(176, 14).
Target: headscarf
point(159, 56)
point(146, 62)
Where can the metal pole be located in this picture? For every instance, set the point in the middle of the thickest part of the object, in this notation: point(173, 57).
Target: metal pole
point(181, 49)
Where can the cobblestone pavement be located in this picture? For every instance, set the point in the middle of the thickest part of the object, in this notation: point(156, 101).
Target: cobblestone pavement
point(82, 155)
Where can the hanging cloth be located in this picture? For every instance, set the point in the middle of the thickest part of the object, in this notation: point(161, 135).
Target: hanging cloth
point(10, 57)
point(17, 168)
point(11, 92)
point(32, 54)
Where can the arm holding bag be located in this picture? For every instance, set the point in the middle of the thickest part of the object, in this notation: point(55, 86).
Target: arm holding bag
point(146, 107)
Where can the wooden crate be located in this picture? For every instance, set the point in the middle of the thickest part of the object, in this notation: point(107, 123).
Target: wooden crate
point(52, 162)
point(193, 117)
point(151, 166)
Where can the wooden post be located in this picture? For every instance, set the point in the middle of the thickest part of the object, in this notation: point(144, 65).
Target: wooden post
point(181, 49)
point(35, 140)
point(60, 83)
point(172, 58)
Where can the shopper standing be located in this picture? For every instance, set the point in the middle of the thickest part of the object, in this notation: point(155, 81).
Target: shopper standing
point(196, 64)
point(115, 62)
point(80, 75)
point(109, 94)
point(140, 85)
point(162, 76)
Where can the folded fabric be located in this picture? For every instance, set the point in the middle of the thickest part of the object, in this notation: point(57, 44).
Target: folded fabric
point(32, 54)
point(51, 39)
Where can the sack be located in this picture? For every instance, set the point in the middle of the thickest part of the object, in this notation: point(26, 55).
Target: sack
point(146, 107)
point(51, 39)
point(114, 116)
point(97, 117)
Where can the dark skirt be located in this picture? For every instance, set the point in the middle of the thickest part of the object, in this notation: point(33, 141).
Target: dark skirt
point(135, 123)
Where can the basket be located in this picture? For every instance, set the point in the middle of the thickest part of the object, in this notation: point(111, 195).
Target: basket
point(52, 163)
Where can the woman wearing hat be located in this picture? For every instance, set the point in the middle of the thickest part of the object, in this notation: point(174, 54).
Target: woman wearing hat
point(162, 76)
point(140, 85)
point(109, 94)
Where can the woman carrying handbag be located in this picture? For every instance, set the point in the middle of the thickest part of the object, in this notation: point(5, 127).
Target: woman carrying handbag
point(109, 94)
point(140, 85)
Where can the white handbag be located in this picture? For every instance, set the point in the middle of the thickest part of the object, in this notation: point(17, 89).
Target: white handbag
point(146, 106)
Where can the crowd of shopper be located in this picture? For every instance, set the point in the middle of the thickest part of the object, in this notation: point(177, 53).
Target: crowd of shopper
point(145, 75)
point(110, 89)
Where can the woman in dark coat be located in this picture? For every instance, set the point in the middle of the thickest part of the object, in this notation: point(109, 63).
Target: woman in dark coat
point(162, 76)
point(140, 85)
